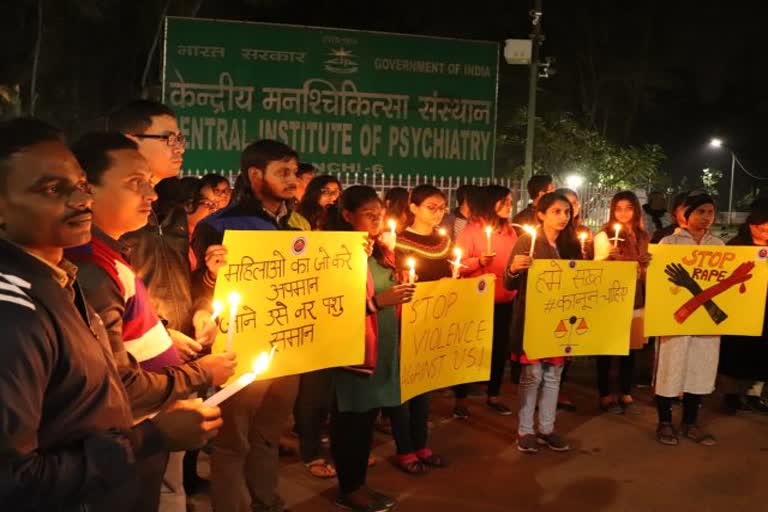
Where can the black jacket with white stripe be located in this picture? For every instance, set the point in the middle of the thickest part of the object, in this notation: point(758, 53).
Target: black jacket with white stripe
point(66, 435)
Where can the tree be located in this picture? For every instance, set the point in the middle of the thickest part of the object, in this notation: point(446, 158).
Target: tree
point(565, 146)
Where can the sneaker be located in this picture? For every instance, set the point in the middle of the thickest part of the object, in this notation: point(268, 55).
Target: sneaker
point(500, 408)
point(461, 412)
point(757, 404)
point(698, 435)
point(527, 443)
point(666, 434)
point(381, 498)
point(733, 404)
point(553, 442)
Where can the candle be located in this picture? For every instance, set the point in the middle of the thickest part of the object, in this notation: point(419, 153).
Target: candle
point(456, 264)
point(488, 247)
point(531, 231)
point(616, 228)
point(218, 307)
point(260, 365)
point(583, 240)
point(234, 301)
point(392, 226)
point(442, 232)
point(411, 271)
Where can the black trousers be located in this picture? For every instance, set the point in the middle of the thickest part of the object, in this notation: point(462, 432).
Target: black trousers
point(351, 438)
point(502, 316)
point(691, 405)
point(310, 411)
point(409, 424)
point(626, 373)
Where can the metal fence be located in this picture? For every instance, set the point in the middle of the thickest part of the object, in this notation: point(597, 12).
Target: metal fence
point(595, 200)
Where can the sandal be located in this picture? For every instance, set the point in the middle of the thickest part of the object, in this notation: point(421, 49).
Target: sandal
point(411, 465)
point(434, 461)
point(320, 468)
point(666, 434)
point(698, 435)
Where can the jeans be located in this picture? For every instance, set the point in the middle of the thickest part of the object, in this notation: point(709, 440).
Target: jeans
point(244, 462)
point(539, 383)
point(409, 424)
point(351, 438)
point(311, 412)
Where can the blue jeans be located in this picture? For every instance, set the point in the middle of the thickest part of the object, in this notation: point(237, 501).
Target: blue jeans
point(539, 383)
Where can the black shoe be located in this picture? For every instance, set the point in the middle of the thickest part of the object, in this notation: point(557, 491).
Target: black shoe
point(381, 498)
point(757, 404)
point(733, 404)
point(360, 501)
point(461, 412)
point(499, 408)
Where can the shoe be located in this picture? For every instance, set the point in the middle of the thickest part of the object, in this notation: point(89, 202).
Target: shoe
point(360, 501)
point(553, 442)
point(381, 498)
point(461, 412)
point(565, 404)
point(666, 434)
point(610, 406)
point(757, 404)
point(734, 404)
point(527, 443)
point(698, 435)
point(499, 408)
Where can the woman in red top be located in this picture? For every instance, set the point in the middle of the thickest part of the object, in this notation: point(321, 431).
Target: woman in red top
point(494, 212)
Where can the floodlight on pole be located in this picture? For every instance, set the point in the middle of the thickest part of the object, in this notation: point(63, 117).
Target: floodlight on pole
point(716, 143)
point(574, 181)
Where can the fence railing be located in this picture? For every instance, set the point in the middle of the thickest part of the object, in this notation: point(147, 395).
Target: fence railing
point(595, 200)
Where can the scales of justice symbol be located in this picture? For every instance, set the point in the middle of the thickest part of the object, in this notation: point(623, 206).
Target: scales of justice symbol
point(567, 327)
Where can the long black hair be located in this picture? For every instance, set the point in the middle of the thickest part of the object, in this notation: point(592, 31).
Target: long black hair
point(309, 207)
point(351, 200)
point(567, 242)
point(491, 195)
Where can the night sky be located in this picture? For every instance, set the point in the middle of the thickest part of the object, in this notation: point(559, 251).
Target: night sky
point(672, 73)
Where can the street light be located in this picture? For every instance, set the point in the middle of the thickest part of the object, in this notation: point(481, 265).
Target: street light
point(718, 143)
point(574, 181)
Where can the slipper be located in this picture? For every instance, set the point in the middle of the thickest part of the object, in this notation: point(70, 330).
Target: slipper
point(320, 468)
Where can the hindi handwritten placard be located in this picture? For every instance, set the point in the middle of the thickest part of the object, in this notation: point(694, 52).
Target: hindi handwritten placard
point(447, 333)
point(701, 290)
point(301, 292)
point(579, 308)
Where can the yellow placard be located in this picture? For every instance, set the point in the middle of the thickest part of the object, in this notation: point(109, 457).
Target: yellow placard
point(700, 290)
point(301, 292)
point(447, 333)
point(579, 308)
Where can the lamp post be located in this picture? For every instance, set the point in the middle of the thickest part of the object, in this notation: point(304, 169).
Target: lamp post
point(718, 143)
point(536, 40)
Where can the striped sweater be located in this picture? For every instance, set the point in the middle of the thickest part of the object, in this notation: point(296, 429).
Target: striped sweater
point(144, 335)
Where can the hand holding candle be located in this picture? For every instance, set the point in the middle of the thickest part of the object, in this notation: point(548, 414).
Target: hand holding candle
point(531, 231)
point(456, 264)
point(260, 365)
point(488, 245)
point(389, 238)
point(617, 229)
point(583, 241)
point(411, 270)
point(234, 301)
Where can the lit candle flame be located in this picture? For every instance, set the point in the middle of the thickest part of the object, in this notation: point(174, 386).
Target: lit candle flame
point(411, 270)
point(262, 361)
point(233, 299)
point(531, 231)
point(442, 232)
point(392, 226)
point(617, 229)
point(583, 237)
point(218, 307)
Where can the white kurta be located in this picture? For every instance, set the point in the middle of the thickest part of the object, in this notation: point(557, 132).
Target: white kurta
point(686, 364)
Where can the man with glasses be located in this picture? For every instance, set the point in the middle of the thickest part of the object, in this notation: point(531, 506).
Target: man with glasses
point(159, 252)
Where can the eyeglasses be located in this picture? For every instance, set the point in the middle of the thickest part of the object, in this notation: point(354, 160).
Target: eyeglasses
point(171, 139)
point(330, 192)
point(218, 192)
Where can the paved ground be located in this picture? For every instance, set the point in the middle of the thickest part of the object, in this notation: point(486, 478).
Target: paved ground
point(615, 465)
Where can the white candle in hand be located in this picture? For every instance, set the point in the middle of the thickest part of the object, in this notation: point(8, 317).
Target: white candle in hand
point(456, 264)
point(411, 271)
point(234, 301)
point(583, 241)
point(392, 226)
point(617, 229)
point(260, 365)
point(218, 308)
point(532, 232)
point(488, 246)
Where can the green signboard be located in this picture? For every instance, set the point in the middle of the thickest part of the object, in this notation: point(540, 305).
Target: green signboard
point(347, 101)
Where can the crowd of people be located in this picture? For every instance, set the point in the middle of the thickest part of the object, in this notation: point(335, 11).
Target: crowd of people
point(109, 263)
